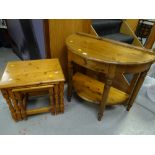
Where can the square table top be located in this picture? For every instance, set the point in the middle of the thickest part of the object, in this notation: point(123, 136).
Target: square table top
point(31, 72)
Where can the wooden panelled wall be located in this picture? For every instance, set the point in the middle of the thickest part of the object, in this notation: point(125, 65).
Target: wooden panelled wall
point(59, 30)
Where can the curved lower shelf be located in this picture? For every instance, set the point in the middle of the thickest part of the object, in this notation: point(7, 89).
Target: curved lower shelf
point(91, 90)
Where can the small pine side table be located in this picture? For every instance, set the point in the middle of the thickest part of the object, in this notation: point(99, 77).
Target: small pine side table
point(22, 79)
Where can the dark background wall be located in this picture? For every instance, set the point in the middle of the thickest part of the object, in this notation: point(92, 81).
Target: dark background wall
point(28, 35)
point(38, 30)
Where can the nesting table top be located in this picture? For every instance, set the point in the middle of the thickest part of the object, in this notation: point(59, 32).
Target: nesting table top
point(30, 72)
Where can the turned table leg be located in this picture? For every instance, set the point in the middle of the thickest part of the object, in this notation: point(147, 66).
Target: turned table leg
point(8, 101)
point(106, 90)
point(70, 85)
point(17, 109)
point(136, 90)
point(56, 98)
point(61, 93)
point(52, 103)
point(21, 105)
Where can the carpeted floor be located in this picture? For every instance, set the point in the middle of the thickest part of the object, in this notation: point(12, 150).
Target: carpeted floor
point(80, 117)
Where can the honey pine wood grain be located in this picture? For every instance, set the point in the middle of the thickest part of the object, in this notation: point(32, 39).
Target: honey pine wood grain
point(24, 73)
point(106, 51)
point(30, 89)
point(92, 90)
point(132, 23)
point(22, 79)
point(19, 96)
point(92, 31)
point(16, 106)
point(8, 101)
point(127, 27)
point(107, 57)
point(119, 78)
point(59, 30)
point(151, 39)
point(38, 110)
point(61, 91)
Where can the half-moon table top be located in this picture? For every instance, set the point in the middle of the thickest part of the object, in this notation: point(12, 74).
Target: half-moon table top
point(108, 51)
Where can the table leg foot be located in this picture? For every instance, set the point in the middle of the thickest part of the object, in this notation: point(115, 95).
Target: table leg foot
point(128, 108)
point(69, 98)
point(14, 116)
point(70, 84)
point(100, 115)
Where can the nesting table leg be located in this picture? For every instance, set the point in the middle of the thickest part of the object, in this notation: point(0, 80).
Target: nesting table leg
point(56, 98)
point(61, 90)
point(6, 96)
point(11, 94)
point(52, 101)
point(21, 105)
point(16, 101)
